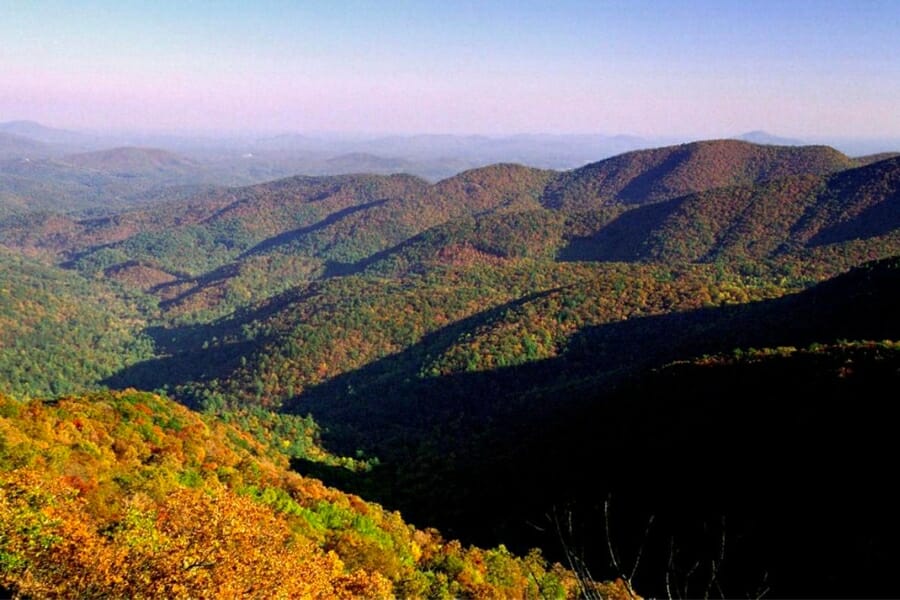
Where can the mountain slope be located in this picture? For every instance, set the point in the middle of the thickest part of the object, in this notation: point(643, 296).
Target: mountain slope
point(545, 429)
point(439, 334)
point(60, 333)
point(101, 183)
point(46, 135)
point(129, 494)
point(488, 238)
point(792, 214)
point(60, 237)
point(17, 147)
point(340, 220)
point(226, 247)
point(131, 161)
point(346, 221)
point(873, 158)
point(860, 203)
point(647, 176)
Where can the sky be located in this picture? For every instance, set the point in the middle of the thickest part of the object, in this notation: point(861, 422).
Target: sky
point(804, 68)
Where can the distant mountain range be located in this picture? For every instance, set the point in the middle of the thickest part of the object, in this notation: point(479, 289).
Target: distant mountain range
point(17, 147)
point(764, 137)
point(49, 135)
point(129, 160)
point(691, 201)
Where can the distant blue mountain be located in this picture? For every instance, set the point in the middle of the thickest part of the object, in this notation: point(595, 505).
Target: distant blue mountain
point(32, 130)
point(763, 137)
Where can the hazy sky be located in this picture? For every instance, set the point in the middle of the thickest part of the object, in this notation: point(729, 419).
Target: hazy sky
point(702, 68)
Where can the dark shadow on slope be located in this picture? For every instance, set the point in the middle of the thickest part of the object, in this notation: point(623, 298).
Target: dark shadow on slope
point(197, 284)
point(339, 269)
point(876, 220)
point(480, 455)
point(289, 237)
point(73, 257)
point(866, 198)
point(201, 352)
point(168, 372)
point(415, 252)
point(789, 454)
point(624, 238)
point(647, 184)
point(855, 306)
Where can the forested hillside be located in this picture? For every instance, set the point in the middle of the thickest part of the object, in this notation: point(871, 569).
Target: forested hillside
point(693, 335)
point(60, 332)
point(647, 176)
point(129, 494)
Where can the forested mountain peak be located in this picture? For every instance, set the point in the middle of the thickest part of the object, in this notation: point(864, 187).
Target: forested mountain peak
point(501, 172)
point(799, 213)
point(647, 176)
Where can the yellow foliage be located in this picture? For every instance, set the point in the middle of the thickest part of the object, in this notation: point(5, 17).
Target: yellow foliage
point(126, 494)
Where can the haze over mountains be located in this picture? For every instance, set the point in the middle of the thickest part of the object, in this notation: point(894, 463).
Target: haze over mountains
point(72, 157)
point(480, 346)
point(480, 300)
point(256, 158)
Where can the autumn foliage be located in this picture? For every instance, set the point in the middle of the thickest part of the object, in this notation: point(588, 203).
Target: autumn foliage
point(127, 494)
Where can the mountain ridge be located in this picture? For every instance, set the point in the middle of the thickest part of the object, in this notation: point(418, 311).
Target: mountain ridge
point(14, 146)
point(646, 176)
point(128, 159)
point(764, 137)
point(461, 339)
point(53, 136)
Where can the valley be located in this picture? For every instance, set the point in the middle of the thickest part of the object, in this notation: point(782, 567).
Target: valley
point(696, 336)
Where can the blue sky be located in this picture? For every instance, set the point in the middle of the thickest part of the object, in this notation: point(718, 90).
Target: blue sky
point(702, 69)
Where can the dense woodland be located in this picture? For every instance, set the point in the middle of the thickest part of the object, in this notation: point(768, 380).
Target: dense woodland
point(702, 332)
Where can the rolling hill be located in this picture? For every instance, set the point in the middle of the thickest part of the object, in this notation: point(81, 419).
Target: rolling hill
point(47, 135)
point(131, 161)
point(14, 147)
point(647, 176)
point(793, 214)
point(99, 183)
point(361, 162)
point(490, 349)
point(347, 222)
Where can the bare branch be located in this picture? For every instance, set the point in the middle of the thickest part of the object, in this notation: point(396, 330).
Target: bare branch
point(670, 567)
point(570, 556)
point(609, 546)
point(640, 552)
point(716, 565)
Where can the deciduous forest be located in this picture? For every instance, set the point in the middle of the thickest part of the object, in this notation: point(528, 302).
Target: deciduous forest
point(667, 373)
